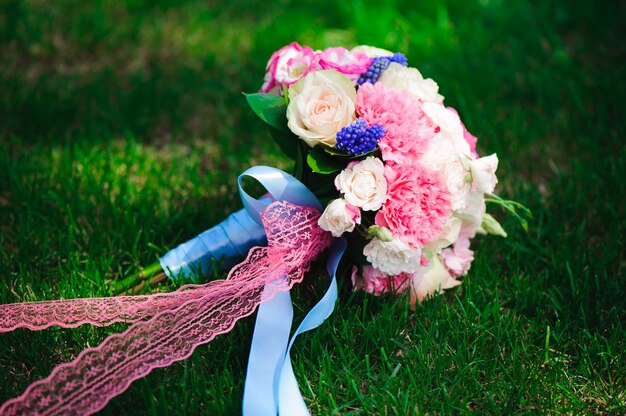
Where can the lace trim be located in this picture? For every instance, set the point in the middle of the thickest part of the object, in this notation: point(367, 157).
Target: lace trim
point(178, 322)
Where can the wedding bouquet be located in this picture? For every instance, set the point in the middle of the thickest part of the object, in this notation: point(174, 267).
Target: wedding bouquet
point(398, 169)
point(384, 172)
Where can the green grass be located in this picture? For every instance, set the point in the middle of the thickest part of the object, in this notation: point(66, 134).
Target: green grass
point(122, 131)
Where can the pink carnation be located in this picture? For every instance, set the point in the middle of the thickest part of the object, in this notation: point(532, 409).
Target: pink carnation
point(417, 205)
point(351, 64)
point(287, 66)
point(409, 130)
point(458, 258)
point(469, 137)
point(376, 282)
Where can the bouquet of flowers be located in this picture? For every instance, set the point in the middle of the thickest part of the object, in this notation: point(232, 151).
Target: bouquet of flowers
point(397, 168)
point(384, 171)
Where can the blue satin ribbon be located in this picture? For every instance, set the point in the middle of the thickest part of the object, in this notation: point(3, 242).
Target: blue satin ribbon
point(228, 242)
point(270, 352)
point(290, 401)
point(271, 386)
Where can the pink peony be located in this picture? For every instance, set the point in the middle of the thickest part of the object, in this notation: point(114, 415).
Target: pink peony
point(458, 258)
point(377, 282)
point(287, 66)
point(409, 130)
point(417, 205)
point(351, 64)
point(469, 137)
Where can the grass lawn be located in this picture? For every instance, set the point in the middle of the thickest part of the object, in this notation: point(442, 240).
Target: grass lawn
point(123, 129)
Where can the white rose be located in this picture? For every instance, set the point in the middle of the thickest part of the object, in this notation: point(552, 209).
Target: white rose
point(363, 184)
point(320, 105)
point(484, 173)
point(371, 51)
point(444, 156)
point(430, 280)
point(449, 122)
point(339, 217)
point(404, 78)
point(393, 258)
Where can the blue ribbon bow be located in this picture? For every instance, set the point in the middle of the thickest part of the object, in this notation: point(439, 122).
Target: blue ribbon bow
point(271, 387)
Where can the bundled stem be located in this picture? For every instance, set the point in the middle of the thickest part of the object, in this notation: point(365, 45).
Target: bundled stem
point(149, 276)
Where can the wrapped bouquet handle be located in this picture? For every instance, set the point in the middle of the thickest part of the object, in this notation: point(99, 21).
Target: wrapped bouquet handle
point(168, 327)
point(231, 239)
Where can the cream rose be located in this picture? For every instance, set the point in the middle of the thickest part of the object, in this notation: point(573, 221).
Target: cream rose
point(339, 217)
point(484, 173)
point(320, 105)
point(403, 78)
point(394, 257)
point(363, 184)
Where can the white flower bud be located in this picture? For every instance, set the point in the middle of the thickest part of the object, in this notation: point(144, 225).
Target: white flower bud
point(484, 173)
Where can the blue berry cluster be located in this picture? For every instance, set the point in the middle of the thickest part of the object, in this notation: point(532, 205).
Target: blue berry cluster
point(378, 65)
point(357, 138)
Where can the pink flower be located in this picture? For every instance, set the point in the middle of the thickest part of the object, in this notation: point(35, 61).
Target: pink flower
point(458, 258)
point(469, 137)
point(409, 130)
point(287, 66)
point(351, 64)
point(417, 205)
point(377, 282)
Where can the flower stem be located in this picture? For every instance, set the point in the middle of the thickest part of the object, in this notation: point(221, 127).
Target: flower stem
point(138, 279)
point(152, 281)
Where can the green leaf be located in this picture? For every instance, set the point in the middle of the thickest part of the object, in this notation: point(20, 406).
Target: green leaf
point(319, 162)
point(287, 142)
point(286, 94)
point(270, 108)
point(337, 153)
point(518, 210)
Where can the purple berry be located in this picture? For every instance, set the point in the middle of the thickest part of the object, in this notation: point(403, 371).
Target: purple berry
point(378, 65)
point(357, 138)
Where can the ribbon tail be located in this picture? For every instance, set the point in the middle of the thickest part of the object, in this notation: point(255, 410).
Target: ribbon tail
point(269, 343)
point(290, 400)
point(271, 385)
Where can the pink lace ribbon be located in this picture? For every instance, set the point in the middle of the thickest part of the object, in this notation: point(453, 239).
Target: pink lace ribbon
point(178, 322)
